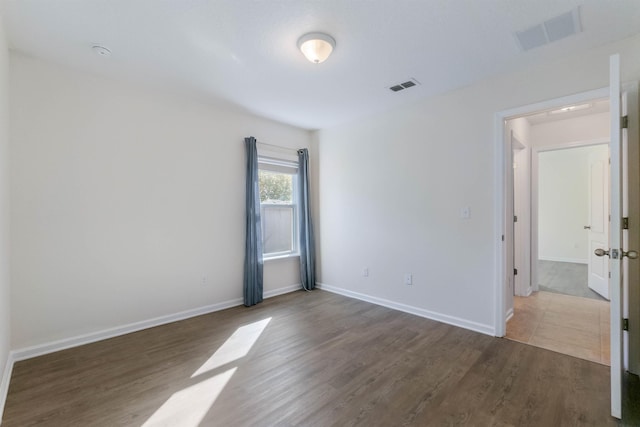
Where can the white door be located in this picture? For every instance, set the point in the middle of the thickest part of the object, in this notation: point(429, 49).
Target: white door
point(509, 208)
point(598, 227)
point(615, 236)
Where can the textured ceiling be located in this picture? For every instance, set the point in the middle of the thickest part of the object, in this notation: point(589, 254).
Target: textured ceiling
point(243, 52)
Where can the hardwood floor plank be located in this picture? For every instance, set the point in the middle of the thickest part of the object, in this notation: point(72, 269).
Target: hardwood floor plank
point(320, 360)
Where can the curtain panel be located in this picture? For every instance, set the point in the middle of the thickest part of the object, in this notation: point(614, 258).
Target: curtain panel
point(307, 240)
point(253, 262)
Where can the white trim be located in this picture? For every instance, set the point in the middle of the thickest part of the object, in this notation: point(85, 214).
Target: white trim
point(4, 384)
point(509, 315)
point(65, 343)
point(39, 350)
point(499, 181)
point(560, 259)
point(572, 144)
point(450, 320)
point(286, 256)
point(53, 346)
point(280, 291)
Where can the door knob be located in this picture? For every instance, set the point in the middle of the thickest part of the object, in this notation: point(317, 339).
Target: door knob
point(630, 254)
point(587, 227)
point(601, 252)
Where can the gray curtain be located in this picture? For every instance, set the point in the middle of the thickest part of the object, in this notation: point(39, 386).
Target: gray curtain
point(307, 241)
point(253, 263)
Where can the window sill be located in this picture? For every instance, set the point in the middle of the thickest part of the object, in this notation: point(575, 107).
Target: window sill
point(277, 257)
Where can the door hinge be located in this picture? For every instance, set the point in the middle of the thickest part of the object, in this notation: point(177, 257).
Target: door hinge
point(624, 122)
point(625, 324)
point(625, 223)
point(515, 218)
point(515, 271)
point(503, 237)
point(609, 275)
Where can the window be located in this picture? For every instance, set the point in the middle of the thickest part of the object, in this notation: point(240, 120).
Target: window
point(278, 207)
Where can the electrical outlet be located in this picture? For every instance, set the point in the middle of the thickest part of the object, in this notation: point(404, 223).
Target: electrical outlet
point(203, 281)
point(408, 279)
point(365, 272)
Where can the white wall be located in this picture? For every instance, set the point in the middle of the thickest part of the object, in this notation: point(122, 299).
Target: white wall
point(563, 204)
point(5, 328)
point(560, 239)
point(392, 185)
point(563, 132)
point(123, 200)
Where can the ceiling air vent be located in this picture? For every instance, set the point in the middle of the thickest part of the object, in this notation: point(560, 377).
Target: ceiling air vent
point(549, 31)
point(406, 85)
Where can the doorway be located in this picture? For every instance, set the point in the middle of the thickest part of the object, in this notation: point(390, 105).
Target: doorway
point(624, 206)
point(572, 211)
point(558, 209)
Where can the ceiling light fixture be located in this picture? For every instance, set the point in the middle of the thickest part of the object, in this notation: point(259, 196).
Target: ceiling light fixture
point(571, 108)
point(316, 47)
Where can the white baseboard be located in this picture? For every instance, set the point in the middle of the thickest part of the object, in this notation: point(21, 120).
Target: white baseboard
point(527, 293)
point(283, 290)
point(509, 315)
point(444, 318)
point(556, 259)
point(4, 382)
point(53, 346)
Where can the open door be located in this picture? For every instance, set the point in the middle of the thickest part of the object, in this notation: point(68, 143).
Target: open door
point(598, 228)
point(617, 251)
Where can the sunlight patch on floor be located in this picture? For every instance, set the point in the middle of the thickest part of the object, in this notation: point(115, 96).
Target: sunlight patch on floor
point(187, 407)
point(236, 347)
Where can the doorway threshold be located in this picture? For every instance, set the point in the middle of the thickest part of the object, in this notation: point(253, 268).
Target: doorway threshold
point(566, 324)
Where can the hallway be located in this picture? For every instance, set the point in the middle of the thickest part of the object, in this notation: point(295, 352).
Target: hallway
point(566, 324)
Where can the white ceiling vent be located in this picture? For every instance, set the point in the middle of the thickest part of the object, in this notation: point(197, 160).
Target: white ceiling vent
point(405, 85)
point(550, 30)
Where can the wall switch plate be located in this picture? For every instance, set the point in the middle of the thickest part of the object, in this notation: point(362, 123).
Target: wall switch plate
point(365, 272)
point(408, 279)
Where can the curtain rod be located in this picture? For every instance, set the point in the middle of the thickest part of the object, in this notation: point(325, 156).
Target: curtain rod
point(278, 146)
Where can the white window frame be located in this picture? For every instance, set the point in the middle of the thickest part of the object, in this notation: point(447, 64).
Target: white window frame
point(288, 167)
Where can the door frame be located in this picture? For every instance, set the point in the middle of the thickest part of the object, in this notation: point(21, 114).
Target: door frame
point(503, 175)
point(535, 175)
point(522, 209)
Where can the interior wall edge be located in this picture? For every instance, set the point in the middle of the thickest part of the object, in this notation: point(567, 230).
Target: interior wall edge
point(4, 383)
point(417, 311)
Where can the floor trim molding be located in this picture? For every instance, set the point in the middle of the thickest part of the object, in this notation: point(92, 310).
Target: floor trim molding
point(444, 318)
point(509, 314)
point(63, 344)
point(53, 346)
point(4, 383)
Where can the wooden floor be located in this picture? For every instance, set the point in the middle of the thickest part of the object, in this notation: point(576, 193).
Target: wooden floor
point(576, 326)
point(317, 359)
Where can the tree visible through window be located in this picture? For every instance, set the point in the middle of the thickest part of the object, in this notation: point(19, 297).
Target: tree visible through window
point(278, 209)
point(275, 187)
